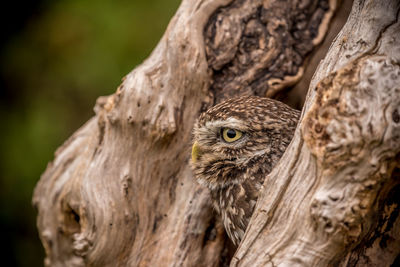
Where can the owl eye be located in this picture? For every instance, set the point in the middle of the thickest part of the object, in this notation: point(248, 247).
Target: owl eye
point(230, 135)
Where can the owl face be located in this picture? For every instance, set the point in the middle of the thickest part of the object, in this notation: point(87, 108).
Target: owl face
point(221, 151)
point(233, 135)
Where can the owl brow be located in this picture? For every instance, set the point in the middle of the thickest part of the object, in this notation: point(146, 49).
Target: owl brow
point(228, 123)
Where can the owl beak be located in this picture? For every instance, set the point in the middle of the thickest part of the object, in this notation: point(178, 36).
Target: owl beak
point(195, 152)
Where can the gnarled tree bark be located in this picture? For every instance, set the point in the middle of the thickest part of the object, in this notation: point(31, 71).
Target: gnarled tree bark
point(120, 191)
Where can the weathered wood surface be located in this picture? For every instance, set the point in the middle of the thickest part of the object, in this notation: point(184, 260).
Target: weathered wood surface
point(120, 192)
point(332, 198)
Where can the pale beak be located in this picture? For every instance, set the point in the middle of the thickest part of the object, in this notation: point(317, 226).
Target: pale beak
point(195, 152)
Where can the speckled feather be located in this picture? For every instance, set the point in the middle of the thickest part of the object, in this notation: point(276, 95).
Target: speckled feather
point(234, 172)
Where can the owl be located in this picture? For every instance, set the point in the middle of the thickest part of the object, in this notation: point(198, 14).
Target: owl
point(235, 145)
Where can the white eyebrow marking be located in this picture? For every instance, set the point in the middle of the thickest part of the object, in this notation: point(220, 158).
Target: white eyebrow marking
point(230, 123)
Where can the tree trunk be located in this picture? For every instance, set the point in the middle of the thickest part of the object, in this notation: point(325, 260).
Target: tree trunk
point(332, 198)
point(120, 191)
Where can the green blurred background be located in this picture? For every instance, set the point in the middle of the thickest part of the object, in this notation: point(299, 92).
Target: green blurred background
point(57, 57)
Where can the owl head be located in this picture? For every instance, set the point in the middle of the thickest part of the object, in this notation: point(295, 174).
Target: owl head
point(237, 135)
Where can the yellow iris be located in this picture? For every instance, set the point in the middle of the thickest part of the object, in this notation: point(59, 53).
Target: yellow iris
point(231, 135)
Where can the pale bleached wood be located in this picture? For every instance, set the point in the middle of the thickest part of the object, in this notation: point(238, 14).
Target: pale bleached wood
point(323, 202)
point(119, 192)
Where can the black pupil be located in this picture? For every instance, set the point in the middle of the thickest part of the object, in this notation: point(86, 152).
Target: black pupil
point(231, 133)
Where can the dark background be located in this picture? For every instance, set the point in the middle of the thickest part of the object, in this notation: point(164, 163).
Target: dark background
point(56, 58)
